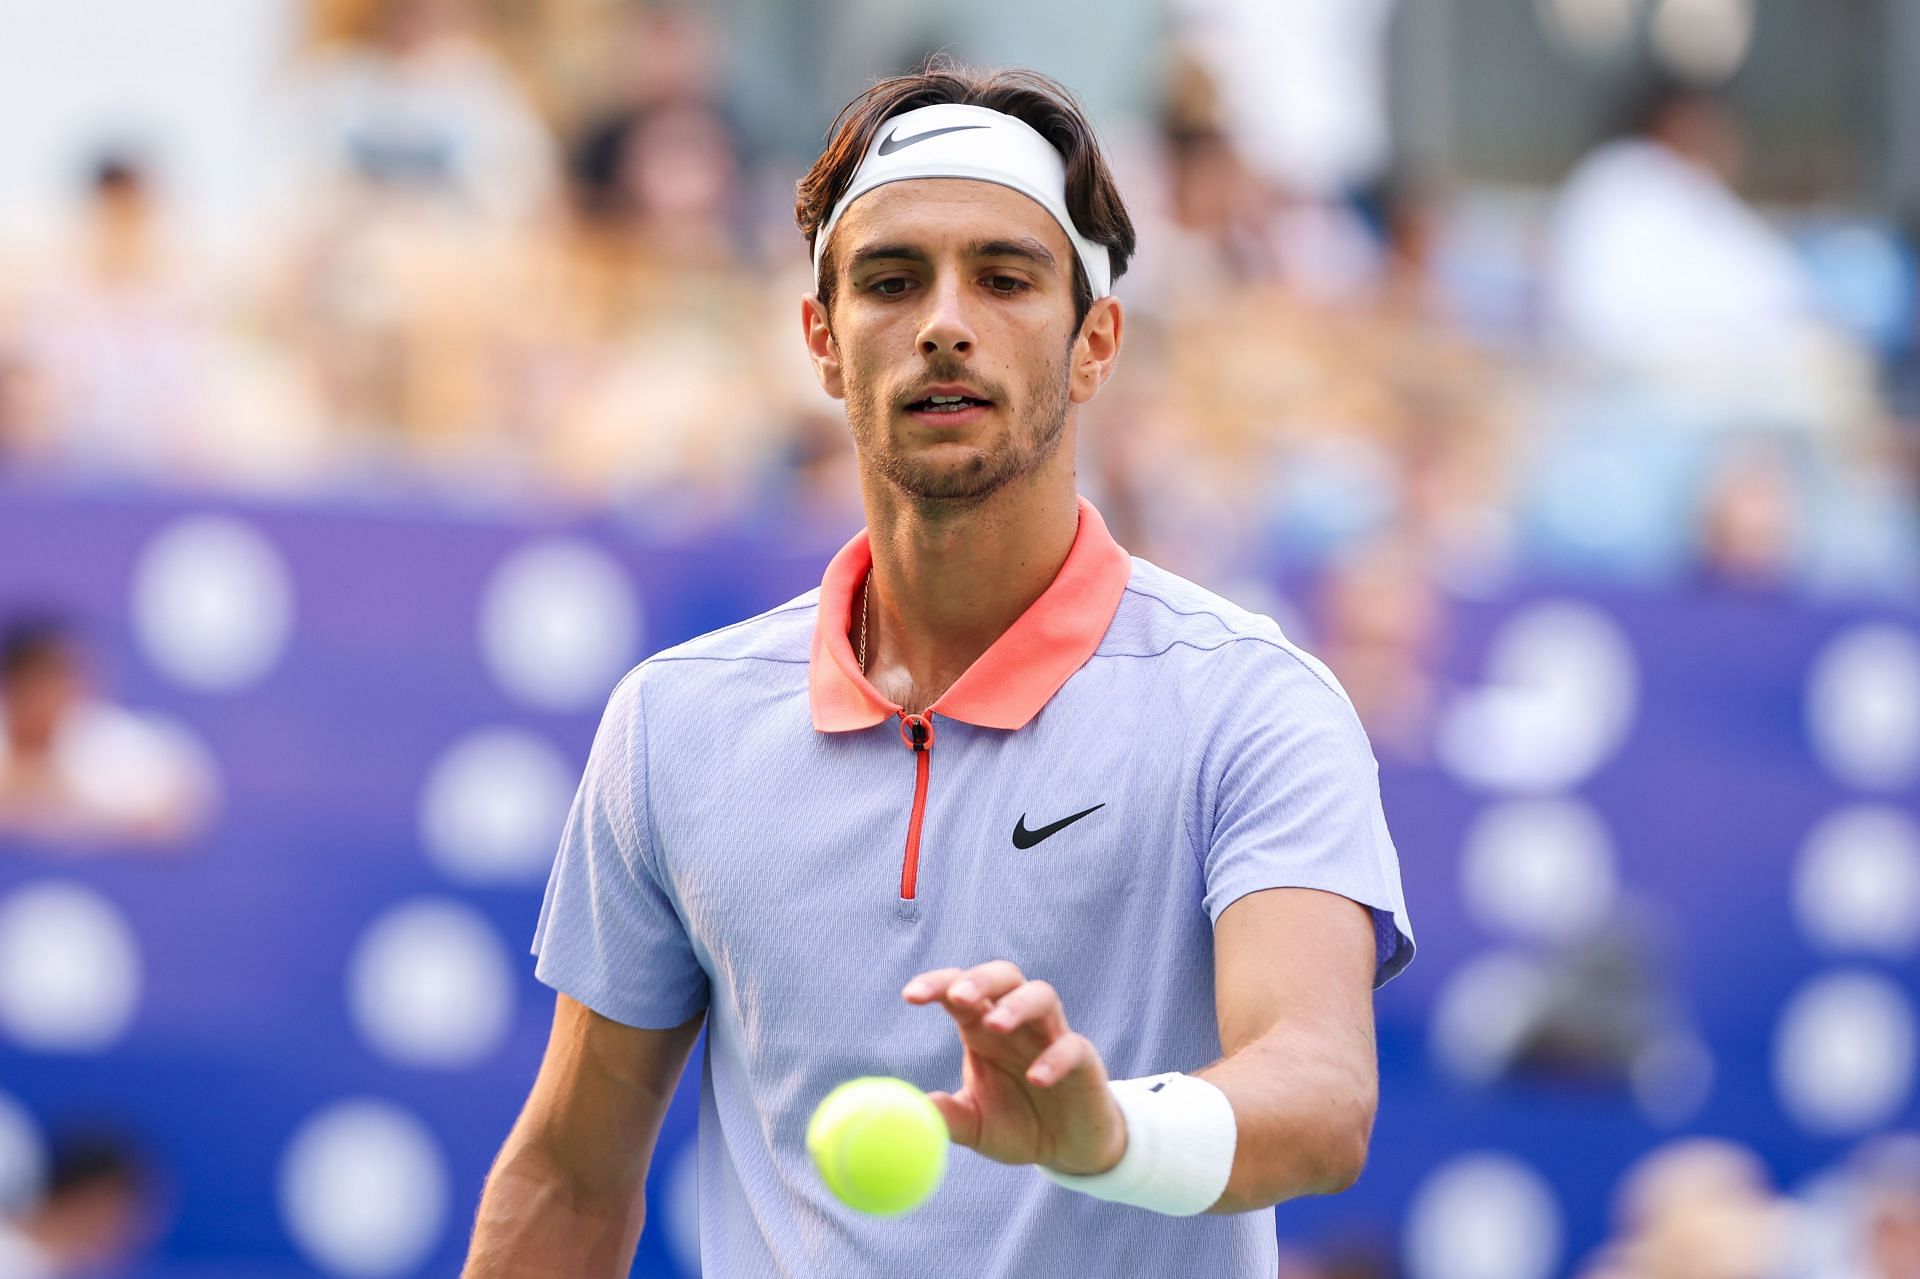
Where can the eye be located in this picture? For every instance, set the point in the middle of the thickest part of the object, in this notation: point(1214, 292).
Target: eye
point(886, 288)
point(1005, 284)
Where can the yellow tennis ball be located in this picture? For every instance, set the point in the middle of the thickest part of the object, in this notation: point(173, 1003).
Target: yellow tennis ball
point(879, 1144)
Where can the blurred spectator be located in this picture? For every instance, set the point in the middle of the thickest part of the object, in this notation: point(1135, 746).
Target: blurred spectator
point(1305, 83)
point(112, 349)
point(1229, 224)
point(97, 1213)
point(1297, 1265)
point(19, 414)
point(1699, 1208)
point(657, 186)
point(1412, 226)
point(1885, 1173)
point(672, 399)
point(1750, 522)
point(1380, 620)
point(76, 771)
point(404, 98)
point(1363, 1260)
point(660, 53)
point(1658, 266)
point(1351, 1259)
point(815, 485)
point(414, 176)
point(1217, 233)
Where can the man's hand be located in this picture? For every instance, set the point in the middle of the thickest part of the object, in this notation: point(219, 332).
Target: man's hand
point(1032, 1091)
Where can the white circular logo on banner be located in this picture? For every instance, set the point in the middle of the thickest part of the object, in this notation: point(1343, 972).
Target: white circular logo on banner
point(1843, 1053)
point(363, 1190)
point(1483, 1013)
point(560, 623)
point(1557, 702)
point(494, 806)
point(430, 985)
point(1857, 884)
point(1539, 869)
point(1483, 1216)
point(1863, 707)
point(212, 603)
point(69, 969)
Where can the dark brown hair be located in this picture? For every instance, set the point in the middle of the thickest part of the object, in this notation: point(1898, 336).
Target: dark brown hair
point(1093, 200)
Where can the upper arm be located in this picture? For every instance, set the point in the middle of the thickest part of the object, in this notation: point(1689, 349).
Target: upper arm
point(1298, 959)
point(603, 1088)
point(1289, 798)
point(610, 932)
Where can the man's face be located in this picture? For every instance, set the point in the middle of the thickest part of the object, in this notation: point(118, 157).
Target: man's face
point(952, 288)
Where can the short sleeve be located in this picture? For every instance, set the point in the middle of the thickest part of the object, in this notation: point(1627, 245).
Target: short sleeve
point(609, 934)
point(1293, 794)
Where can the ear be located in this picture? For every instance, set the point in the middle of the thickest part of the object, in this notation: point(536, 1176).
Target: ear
point(1096, 350)
point(821, 348)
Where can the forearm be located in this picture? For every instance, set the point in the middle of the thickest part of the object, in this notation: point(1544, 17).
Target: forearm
point(536, 1222)
point(1304, 1111)
point(566, 1196)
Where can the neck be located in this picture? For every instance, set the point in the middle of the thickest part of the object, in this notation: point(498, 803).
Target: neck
point(949, 579)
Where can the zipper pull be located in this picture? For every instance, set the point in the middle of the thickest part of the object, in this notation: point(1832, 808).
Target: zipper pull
point(916, 731)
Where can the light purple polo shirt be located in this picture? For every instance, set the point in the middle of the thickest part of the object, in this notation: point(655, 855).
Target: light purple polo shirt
point(744, 842)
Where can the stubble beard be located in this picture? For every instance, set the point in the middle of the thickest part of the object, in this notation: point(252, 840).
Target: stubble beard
point(1017, 454)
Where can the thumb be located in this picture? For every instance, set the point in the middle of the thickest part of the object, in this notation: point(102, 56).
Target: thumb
point(961, 1114)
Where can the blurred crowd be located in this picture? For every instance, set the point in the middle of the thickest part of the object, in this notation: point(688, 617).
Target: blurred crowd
point(1706, 1208)
point(98, 1204)
point(540, 261)
point(532, 256)
point(79, 771)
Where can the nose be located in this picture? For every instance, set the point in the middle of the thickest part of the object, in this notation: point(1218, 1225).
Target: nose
point(945, 327)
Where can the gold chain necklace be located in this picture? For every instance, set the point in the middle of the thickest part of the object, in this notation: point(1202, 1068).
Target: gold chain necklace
point(866, 589)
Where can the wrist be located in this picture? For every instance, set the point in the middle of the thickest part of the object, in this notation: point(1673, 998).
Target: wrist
point(1112, 1149)
point(1116, 1145)
point(1176, 1147)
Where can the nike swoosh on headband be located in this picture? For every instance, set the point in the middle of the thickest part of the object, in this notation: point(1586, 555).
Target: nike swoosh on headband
point(893, 142)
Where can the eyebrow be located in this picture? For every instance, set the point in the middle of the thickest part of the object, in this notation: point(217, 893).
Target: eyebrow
point(1025, 247)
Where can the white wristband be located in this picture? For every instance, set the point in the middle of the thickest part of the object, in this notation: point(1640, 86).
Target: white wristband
point(1180, 1138)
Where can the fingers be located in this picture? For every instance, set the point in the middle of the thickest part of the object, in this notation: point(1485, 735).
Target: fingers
point(1070, 1058)
point(961, 1114)
point(980, 985)
point(970, 991)
point(1033, 1003)
point(929, 986)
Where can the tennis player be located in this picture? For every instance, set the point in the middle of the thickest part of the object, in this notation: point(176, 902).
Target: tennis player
point(1091, 854)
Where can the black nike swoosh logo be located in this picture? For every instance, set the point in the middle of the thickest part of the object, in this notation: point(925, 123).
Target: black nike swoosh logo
point(1024, 838)
point(894, 142)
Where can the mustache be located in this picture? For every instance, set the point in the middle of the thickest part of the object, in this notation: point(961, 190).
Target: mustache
point(948, 370)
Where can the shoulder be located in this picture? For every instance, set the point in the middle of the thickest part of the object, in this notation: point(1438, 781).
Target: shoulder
point(747, 651)
point(1199, 633)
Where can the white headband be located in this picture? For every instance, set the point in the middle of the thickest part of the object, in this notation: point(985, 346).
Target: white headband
point(948, 140)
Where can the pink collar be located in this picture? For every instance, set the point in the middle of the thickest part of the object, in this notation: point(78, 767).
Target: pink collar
point(1008, 684)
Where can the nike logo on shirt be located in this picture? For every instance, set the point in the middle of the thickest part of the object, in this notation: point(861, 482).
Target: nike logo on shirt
point(894, 142)
point(1024, 838)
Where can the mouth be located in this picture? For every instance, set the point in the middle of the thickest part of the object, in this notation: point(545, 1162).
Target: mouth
point(949, 407)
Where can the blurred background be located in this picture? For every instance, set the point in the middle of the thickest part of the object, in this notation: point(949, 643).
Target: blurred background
point(379, 379)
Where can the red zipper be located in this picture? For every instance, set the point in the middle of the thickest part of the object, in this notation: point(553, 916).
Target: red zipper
point(917, 732)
